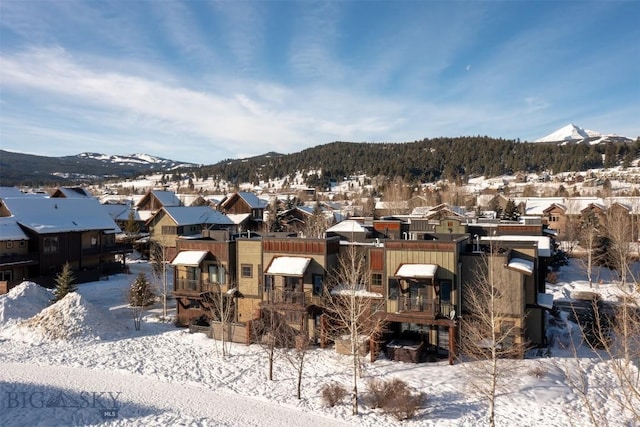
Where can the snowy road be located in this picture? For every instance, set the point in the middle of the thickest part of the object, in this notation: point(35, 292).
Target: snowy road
point(58, 395)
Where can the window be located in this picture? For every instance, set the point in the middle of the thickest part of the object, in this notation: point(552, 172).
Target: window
point(246, 270)
point(217, 274)
point(9, 244)
point(554, 218)
point(94, 241)
point(169, 229)
point(22, 244)
point(317, 284)
point(6, 276)
point(268, 283)
point(50, 245)
point(376, 279)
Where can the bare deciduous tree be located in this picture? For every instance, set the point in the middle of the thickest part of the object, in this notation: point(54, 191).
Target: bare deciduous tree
point(297, 357)
point(488, 332)
point(351, 310)
point(222, 309)
point(618, 230)
point(614, 340)
point(272, 333)
point(588, 236)
point(159, 268)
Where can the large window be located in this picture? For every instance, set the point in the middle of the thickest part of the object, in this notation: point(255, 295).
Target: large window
point(217, 274)
point(6, 276)
point(51, 245)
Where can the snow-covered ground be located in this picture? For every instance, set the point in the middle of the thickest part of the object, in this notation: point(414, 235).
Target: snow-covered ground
point(81, 362)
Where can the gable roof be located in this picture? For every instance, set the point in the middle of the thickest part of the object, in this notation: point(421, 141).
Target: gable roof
point(249, 198)
point(166, 198)
point(188, 215)
point(71, 192)
point(47, 215)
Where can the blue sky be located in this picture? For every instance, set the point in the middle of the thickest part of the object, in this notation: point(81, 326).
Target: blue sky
point(206, 81)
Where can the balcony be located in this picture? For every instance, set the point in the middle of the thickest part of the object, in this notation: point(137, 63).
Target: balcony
point(283, 297)
point(197, 286)
point(419, 306)
point(117, 248)
point(9, 260)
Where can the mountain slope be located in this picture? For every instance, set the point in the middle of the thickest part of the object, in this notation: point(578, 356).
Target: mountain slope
point(20, 168)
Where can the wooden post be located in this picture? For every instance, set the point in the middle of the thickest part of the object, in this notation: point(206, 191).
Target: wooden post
point(452, 343)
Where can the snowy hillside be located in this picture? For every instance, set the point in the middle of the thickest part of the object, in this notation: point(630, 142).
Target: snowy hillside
point(152, 162)
point(106, 373)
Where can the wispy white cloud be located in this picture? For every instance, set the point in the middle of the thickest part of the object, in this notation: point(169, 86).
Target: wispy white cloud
point(211, 83)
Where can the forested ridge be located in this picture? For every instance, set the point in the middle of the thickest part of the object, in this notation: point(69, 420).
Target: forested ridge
point(427, 160)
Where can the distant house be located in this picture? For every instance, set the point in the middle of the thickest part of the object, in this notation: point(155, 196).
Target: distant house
point(71, 192)
point(296, 219)
point(245, 203)
point(15, 257)
point(169, 223)
point(74, 230)
point(154, 200)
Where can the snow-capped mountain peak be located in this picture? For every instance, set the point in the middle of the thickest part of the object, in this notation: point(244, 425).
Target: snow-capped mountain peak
point(569, 133)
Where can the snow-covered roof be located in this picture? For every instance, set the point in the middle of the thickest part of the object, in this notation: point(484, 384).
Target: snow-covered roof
point(167, 198)
point(238, 218)
point(117, 212)
point(73, 192)
point(252, 200)
point(188, 215)
point(543, 242)
point(521, 265)
point(47, 215)
point(10, 192)
point(545, 300)
point(288, 266)
point(348, 226)
point(190, 258)
point(417, 271)
point(10, 230)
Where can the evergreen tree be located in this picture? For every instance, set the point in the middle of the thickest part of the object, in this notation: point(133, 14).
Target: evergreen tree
point(64, 283)
point(511, 211)
point(131, 227)
point(140, 296)
point(140, 292)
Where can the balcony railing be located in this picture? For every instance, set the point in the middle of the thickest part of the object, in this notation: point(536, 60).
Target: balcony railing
point(117, 248)
point(16, 259)
point(417, 304)
point(198, 286)
point(295, 298)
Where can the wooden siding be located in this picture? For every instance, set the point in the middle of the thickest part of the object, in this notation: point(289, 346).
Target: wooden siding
point(249, 252)
point(295, 246)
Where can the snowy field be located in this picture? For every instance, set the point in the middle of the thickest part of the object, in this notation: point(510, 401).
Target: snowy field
point(80, 362)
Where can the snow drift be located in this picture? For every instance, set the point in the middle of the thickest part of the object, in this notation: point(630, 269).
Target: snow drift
point(73, 318)
point(22, 302)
